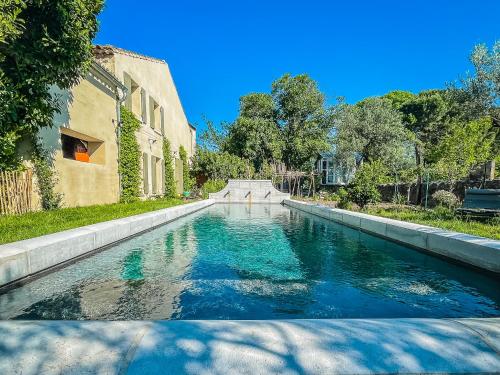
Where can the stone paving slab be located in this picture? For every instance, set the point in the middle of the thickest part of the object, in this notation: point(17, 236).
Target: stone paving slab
point(350, 346)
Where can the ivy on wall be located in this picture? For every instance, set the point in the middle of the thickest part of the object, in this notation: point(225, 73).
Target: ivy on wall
point(130, 157)
point(46, 178)
point(169, 169)
point(185, 169)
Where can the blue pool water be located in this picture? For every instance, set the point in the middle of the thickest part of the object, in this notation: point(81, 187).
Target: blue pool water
point(255, 262)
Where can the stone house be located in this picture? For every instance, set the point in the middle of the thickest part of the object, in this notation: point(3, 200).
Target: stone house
point(83, 141)
point(154, 100)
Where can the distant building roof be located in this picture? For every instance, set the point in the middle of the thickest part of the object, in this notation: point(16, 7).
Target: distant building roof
point(192, 126)
point(104, 50)
point(327, 154)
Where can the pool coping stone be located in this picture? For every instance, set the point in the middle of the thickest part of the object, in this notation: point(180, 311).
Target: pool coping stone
point(23, 259)
point(476, 251)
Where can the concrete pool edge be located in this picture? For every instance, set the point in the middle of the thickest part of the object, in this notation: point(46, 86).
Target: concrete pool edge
point(476, 251)
point(22, 259)
point(343, 346)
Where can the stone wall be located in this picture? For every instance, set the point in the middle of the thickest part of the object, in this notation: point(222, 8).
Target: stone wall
point(249, 191)
point(388, 190)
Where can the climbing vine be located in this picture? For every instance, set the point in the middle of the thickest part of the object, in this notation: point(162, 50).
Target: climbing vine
point(185, 169)
point(46, 178)
point(169, 169)
point(130, 157)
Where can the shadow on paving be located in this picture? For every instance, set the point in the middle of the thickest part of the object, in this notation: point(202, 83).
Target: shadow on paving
point(229, 347)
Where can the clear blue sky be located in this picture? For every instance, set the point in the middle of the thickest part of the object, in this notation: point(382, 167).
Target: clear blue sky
point(220, 50)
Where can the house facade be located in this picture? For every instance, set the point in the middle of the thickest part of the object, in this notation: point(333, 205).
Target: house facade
point(83, 141)
point(153, 99)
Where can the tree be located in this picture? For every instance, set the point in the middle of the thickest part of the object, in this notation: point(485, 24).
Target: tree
point(465, 147)
point(398, 98)
point(478, 95)
point(427, 117)
point(371, 129)
point(364, 187)
point(10, 24)
point(255, 135)
point(303, 120)
point(54, 47)
point(218, 165)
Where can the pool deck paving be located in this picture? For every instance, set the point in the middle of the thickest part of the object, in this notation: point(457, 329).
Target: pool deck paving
point(320, 346)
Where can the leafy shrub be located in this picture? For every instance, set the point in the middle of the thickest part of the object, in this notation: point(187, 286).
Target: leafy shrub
point(364, 187)
point(398, 198)
point(220, 165)
point(212, 186)
point(332, 197)
point(344, 201)
point(46, 181)
point(442, 213)
point(445, 198)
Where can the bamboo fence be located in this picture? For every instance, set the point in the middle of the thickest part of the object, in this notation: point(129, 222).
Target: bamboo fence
point(15, 192)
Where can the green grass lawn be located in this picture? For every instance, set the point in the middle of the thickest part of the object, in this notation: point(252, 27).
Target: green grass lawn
point(441, 218)
point(34, 224)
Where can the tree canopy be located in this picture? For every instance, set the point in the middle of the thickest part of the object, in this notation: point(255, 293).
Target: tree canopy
point(290, 125)
point(372, 129)
point(44, 43)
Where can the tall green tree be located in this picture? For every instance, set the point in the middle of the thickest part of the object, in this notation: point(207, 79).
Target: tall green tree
point(398, 98)
point(466, 146)
point(53, 47)
point(304, 121)
point(478, 94)
point(427, 117)
point(255, 135)
point(371, 129)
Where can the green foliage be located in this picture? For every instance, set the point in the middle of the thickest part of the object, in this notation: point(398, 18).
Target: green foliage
point(344, 200)
point(255, 134)
point(10, 24)
point(44, 43)
point(220, 165)
point(304, 122)
point(129, 165)
point(399, 198)
point(290, 125)
point(464, 147)
point(169, 177)
point(398, 98)
point(478, 95)
point(46, 180)
point(372, 129)
point(426, 116)
point(445, 198)
point(188, 183)
point(212, 186)
point(364, 187)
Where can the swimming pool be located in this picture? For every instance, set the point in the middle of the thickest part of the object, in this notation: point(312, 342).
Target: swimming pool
point(255, 262)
